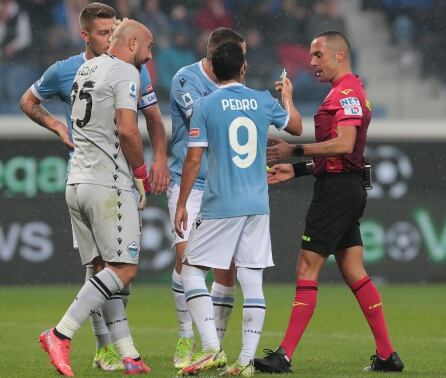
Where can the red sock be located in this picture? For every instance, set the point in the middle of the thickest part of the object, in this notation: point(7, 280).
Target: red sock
point(301, 313)
point(370, 301)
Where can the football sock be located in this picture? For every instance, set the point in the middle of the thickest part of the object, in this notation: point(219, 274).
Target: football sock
point(184, 319)
point(91, 297)
point(125, 294)
point(253, 312)
point(370, 302)
point(116, 319)
point(100, 330)
point(301, 313)
point(223, 300)
point(200, 306)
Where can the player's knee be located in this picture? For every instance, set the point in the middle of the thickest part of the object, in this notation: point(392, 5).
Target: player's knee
point(305, 271)
point(224, 277)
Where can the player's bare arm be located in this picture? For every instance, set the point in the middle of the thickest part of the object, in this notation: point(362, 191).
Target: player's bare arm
point(131, 144)
point(343, 143)
point(130, 137)
point(33, 108)
point(191, 168)
point(159, 172)
point(294, 126)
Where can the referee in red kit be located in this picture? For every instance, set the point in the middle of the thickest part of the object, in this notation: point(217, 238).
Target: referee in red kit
point(339, 198)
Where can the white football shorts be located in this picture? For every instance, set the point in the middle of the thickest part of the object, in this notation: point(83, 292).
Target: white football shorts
point(214, 242)
point(193, 205)
point(106, 223)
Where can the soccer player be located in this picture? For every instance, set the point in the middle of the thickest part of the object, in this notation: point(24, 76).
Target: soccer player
point(232, 125)
point(102, 206)
point(96, 21)
point(339, 199)
point(188, 85)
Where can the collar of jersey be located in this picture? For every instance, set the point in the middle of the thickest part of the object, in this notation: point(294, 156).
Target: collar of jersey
point(203, 72)
point(84, 57)
point(231, 85)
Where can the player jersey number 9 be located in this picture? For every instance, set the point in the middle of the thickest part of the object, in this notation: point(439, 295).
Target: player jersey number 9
point(83, 95)
point(246, 153)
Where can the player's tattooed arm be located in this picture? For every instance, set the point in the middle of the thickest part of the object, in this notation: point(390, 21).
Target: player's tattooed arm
point(32, 107)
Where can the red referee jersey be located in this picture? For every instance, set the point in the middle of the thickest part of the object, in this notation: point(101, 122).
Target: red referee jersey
point(345, 105)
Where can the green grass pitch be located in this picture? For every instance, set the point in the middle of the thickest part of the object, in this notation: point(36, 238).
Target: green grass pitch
point(337, 343)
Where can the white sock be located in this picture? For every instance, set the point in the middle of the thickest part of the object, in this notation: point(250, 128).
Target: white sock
point(184, 319)
point(200, 305)
point(90, 298)
point(223, 300)
point(116, 319)
point(100, 330)
point(253, 311)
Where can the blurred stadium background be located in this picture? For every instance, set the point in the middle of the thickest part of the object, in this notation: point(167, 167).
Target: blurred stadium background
point(399, 51)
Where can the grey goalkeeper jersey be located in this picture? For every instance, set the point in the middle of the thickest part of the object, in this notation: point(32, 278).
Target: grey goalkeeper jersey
point(101, 85)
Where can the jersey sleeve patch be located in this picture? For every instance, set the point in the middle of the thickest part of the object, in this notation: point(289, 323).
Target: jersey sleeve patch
point(351, 106)
point(132, 90)
point(187, 99)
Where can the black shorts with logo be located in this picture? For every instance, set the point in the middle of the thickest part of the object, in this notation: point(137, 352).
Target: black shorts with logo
point(332, 221)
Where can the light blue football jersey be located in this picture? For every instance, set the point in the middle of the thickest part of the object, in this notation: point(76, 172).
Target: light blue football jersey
point(57, 80)
point(188, 85)
point(233, 124)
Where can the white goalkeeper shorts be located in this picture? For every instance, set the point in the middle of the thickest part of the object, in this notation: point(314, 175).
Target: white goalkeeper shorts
point(193, 206)
point(106, 223)
point(214, 242)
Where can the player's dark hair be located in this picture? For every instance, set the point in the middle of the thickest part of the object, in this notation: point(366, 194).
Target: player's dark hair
point(227, 60)
point(333, 34)
point(93, 11)
point(221, 35)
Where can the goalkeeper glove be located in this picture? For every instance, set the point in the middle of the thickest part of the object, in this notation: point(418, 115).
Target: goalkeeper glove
point(142, 184)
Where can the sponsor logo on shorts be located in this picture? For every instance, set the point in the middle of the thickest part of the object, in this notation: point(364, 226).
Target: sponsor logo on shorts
point(351, 106)
point(306, 238)
point(197, 223)
point(133, 249)
point(194, 132)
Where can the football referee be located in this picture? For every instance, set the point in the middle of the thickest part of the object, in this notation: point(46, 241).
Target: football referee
point(339, 198)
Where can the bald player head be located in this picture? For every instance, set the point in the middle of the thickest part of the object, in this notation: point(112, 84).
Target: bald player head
point(330, 56)
point(132, 42)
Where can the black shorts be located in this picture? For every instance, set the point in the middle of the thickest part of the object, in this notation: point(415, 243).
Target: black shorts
point(332, 221)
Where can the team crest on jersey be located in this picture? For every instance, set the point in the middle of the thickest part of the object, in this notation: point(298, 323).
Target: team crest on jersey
point(133, 249)
point(194, 132)
point(351, 106)
point(132, 90)
point(187, 98)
